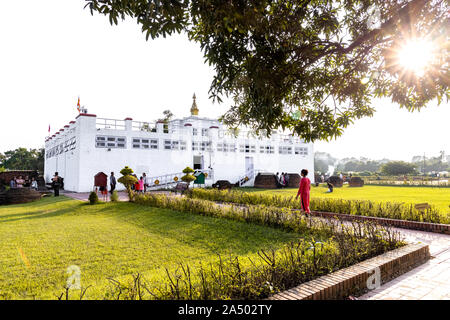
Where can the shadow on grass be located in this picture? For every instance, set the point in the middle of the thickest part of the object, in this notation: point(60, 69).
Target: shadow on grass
point(211, 233)
point(43, 207)
point(215, 235)
point(38, 215)
point(45, 201)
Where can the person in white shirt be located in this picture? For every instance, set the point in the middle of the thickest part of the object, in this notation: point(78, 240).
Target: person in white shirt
point(34, 184)
point(146, 184)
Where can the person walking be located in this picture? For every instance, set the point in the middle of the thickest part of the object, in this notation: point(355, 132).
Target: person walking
point(112, 183)
point(104, 193)
point(304, 191)
point(286, 179)
point(146, 184)
point(141, 184)
point(56, 184)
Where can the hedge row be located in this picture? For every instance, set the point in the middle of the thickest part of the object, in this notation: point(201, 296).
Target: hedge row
point(391, 210)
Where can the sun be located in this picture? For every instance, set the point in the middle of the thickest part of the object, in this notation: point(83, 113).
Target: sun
point(416, 55)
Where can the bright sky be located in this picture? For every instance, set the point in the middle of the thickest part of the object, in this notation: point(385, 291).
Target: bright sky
point(53, 51)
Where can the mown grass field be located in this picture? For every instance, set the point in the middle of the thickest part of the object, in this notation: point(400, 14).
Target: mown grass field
point(40, 240)
point(440, 197)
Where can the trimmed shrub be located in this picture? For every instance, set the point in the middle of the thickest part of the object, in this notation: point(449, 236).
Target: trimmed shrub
point(128, 180)
point(114, 196)
point(188, 177)
point(93, 198)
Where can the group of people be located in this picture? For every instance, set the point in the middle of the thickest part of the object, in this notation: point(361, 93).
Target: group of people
point(344, 178)
point(23, 182)
point(142, 183)
point(140, 186)
point(112, 186)
point(282, 180)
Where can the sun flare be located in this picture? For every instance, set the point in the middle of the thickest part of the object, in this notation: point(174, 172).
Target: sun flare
point(416, 55)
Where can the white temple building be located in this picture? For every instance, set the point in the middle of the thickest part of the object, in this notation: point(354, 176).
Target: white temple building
point(90, 145)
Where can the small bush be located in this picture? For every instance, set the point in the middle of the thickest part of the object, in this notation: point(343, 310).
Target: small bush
point(93, 198)
point(114, 196)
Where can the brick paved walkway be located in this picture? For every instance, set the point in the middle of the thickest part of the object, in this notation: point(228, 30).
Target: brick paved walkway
point(430, 281)
point(84, 196)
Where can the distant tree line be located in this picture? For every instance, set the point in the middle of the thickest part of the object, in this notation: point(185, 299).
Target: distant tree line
point(438, 163)
point(355, 165)
point(365, 166)
point(22, 159)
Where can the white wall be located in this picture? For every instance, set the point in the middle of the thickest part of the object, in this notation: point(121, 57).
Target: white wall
point(79, 166)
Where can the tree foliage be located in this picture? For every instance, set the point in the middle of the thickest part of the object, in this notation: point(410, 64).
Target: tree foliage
point(23, 159)
point(310, 66)
point(397, 168)
point(168, 115)
point(126, 171)
point(359, 166)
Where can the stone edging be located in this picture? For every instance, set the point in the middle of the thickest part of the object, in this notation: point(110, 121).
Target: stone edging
point(354, 279)
point(415, 225)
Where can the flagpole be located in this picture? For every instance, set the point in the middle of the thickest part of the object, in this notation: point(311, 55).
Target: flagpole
point(78, 105)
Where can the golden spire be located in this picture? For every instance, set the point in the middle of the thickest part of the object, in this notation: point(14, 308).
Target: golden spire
point(194, 108)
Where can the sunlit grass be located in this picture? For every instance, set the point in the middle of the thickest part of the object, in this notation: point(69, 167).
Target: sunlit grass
point(112, 240)
point(440, 197)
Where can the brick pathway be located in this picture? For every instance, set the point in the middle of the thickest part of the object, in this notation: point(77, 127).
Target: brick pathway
point(84, 196)
point(430, 281)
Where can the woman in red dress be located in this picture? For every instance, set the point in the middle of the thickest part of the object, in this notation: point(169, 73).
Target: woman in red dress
point(303, 191)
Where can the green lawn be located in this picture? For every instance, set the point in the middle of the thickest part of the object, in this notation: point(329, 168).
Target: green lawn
point(440, 197)
point(111, 240)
